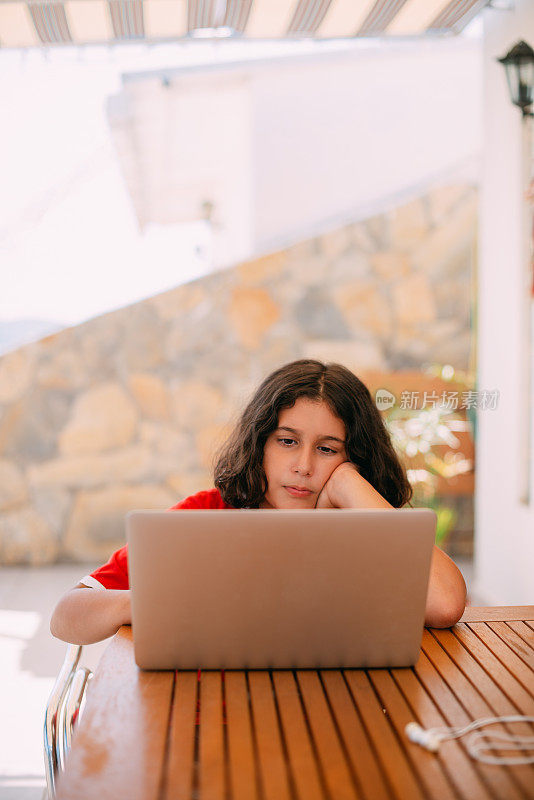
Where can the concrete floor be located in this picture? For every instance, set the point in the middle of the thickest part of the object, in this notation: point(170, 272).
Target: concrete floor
point(30, 659)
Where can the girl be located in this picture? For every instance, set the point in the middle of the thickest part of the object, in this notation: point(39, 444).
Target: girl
point(311, 437)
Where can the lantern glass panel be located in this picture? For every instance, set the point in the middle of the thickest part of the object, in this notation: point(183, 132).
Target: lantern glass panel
point(526, 82)
point(512, 76)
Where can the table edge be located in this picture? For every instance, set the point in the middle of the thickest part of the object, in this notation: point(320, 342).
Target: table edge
point(497, 613)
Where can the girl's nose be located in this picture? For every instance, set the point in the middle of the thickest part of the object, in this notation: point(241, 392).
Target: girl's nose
point(303, 464)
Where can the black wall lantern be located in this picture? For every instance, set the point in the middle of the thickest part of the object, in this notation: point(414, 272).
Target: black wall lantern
point(519, 65)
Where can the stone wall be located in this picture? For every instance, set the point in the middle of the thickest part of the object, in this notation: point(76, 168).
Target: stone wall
point(126, 410)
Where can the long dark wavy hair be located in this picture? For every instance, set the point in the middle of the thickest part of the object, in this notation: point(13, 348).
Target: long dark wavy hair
point(239, 474)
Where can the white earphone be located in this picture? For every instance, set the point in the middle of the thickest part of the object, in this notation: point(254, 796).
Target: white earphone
point(431, 739)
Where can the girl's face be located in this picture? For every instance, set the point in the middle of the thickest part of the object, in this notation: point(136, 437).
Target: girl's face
point(301, 454)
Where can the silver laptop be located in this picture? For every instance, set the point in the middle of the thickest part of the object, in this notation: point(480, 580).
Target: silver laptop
point(261, 589)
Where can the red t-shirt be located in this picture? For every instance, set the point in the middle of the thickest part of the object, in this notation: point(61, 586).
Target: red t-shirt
point(114, 574)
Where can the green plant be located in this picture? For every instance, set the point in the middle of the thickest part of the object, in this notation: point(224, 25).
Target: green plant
point(419, 436)
point(446, 520)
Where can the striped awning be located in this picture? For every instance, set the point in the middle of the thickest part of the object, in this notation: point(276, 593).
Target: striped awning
point(33, 23)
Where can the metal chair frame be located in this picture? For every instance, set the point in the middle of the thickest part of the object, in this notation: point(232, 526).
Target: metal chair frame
point(63, 710)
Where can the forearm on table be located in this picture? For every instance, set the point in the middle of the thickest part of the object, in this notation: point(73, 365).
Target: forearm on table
point(447, 592)
point(85, 616)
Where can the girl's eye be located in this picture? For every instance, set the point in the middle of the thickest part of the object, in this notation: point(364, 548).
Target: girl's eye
point(326, 450)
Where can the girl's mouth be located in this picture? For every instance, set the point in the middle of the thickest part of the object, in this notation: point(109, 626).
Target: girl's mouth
point(295, 492)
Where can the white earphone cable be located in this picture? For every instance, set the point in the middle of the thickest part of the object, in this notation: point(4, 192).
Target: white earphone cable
point(479, 741)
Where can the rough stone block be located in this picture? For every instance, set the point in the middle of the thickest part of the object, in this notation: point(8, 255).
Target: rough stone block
point(378, 231)
point(456, 234)
point(308, 248)
point(16, 374)
point(335, 243)
point(303, 272)
point(29, 428)
point(391, 266)
point(366, 309)
point(63, 369)
point(351, 266)
point(97, 523)
point(185, 484)
point(178, 301)
point(13, 489)
point(150, 394)
point(141, 347)
point(53, 505)
point(444, 199)
point(209, 440)
point(102, 418)
point(413, 300)
point(318, 317)
point(132, 465)
point(25, 538)
point(361, 239)
point(194, 404)
point(352, 354)
point(262, 270)
point(409, 224)
point(252, 312)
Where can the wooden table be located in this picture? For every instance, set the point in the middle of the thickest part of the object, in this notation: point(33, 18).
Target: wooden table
point(307, 734)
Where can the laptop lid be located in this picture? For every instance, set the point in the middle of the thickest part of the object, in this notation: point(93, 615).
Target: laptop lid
point(258, 589)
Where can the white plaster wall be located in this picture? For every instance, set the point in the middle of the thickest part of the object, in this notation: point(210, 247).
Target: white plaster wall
point(504, 527)
point(186, 143)
point(291, 146)
point(339, 136)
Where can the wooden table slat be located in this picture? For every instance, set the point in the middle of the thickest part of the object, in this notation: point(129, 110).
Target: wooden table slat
point(212, 758)
point(180, 765)
point(123, 715)
point(530, 624)
point(396, 766)
point(476, 639)
point(424, 763)
point(363, 759)
point(522, 629)
point(504, 653)
point(517, 644)
point(447, 694)
point(495, 613)
point(338, 779)
point(456, 762)
point(242, 765)
point(464, 675)
point(274, 777)
point(303, 765)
